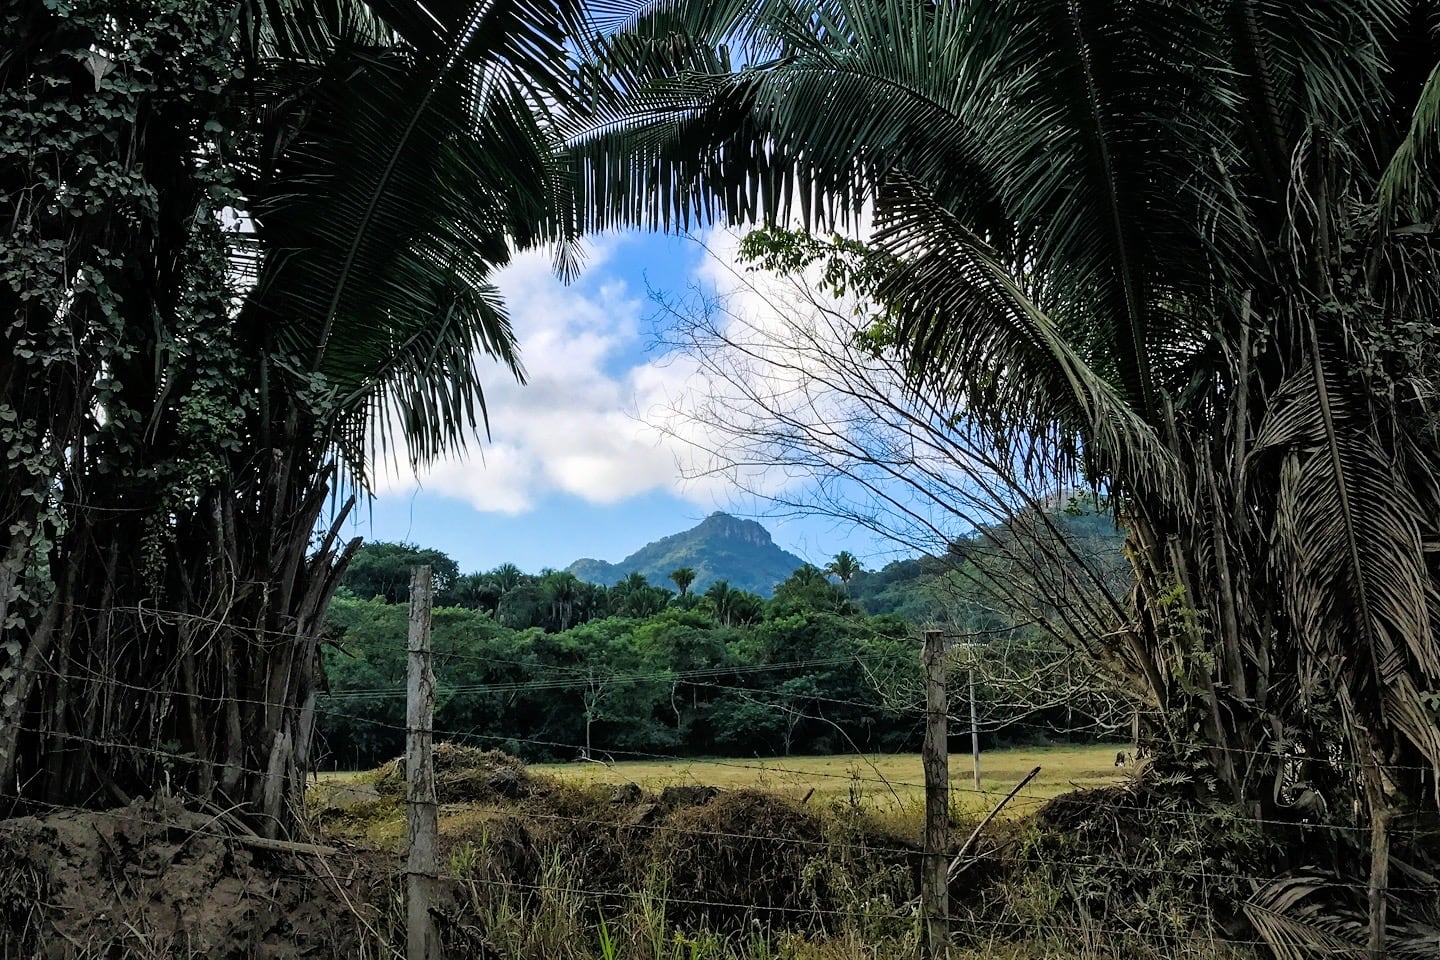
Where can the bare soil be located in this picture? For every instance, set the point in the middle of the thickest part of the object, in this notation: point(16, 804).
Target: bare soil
point(156, 880)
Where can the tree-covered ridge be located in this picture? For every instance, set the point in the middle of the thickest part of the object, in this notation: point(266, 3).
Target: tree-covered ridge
point(720, 547)
point(946, 591)
point(556, 600)
point(551, 667)
point(930, 590)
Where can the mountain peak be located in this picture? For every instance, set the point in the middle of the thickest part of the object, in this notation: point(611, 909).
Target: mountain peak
point(720, 524)
point(720, 547)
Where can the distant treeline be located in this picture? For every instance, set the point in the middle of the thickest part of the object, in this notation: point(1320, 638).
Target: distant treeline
point(548, 667)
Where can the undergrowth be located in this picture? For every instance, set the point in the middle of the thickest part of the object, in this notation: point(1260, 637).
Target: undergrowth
point(537, 869)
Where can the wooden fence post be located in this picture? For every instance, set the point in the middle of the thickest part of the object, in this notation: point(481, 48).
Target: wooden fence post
point(422, 940)
point(935, 755)
point(974, 727)
point(1379, 855)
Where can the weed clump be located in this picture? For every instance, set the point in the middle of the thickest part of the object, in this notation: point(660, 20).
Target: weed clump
point(1131, 870)
point(742, 857)
point(464, 775)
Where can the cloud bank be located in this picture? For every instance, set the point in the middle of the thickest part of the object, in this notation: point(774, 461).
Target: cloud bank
point(578, 425)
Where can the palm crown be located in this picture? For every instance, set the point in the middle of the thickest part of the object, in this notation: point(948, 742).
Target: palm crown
point(1172, 244)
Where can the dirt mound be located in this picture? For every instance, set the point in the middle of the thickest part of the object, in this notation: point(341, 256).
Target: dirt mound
point(153, 879)
point(1081, 809)
point(464, 775)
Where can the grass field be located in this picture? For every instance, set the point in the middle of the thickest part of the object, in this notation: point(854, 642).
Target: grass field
point(882, 782)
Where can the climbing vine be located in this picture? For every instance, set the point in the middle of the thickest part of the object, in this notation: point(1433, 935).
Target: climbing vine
point(150, 541)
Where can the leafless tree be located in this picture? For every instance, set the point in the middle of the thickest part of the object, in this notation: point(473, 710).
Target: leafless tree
point(792, 402)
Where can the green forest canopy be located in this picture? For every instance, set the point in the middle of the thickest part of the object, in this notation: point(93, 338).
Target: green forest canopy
point(550, 667)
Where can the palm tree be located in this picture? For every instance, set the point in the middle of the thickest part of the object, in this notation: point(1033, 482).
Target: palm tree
point(562, 590)
point(508, 576)
point(633, 582)
point(1167, 245)
point(227, 383)
point(744, 607)
point(844, 566)
point(682, 578)
point(722, 599)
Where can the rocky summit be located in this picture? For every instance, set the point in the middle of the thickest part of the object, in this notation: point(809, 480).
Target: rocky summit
point(720, 547)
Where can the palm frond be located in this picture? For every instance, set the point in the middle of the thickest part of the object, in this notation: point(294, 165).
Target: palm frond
point(1007, 363)
point(1048, 129)
point(1410, 176)
point(1348, 531)
point(403, 175)
point(1317, 914)
point(1295, 929)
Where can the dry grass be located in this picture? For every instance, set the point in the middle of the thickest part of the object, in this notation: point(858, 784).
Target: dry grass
point(539, 870)
point(882, 783)
point(887, 787)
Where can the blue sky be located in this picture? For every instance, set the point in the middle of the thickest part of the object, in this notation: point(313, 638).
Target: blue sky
point(574, 467)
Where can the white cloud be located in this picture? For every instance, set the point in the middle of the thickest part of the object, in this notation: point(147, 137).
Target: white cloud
point(598, 420)
point(576, 425)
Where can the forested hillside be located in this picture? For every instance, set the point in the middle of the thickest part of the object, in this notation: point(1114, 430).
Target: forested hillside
point(550, 667)
point(935, 589)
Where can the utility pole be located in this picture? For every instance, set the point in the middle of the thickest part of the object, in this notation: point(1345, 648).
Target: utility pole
point(422, 935)
point(935, 756)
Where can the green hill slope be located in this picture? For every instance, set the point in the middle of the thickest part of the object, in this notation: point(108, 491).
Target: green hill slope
point(721, 547)
point(932, 589)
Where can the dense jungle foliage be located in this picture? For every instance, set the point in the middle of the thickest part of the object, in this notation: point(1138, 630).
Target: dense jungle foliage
point(551, 667)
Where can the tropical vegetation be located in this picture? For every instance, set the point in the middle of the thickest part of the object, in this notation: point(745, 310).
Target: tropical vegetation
point(246, 252)
point(1179, 252)
point(726, 673)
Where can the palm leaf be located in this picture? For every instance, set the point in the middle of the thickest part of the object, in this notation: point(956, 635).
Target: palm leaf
point(407, 174)
point(1348, 530)
point(1297, 930)
point(1409, 178)
point(1007, 361)
point(1302, 916)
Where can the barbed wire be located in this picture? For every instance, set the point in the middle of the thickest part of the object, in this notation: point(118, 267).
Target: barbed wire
point(322, 708)
point(813, 910)
point(854, 777)
point(1112, 862)
point(355, 856)
point(581, 675)
point(1031, 800)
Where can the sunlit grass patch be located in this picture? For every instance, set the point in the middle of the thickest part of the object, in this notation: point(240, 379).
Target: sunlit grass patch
point(882, 783)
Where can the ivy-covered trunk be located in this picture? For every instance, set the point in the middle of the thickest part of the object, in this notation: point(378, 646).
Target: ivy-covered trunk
point(201, 681)
point(161, 589)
